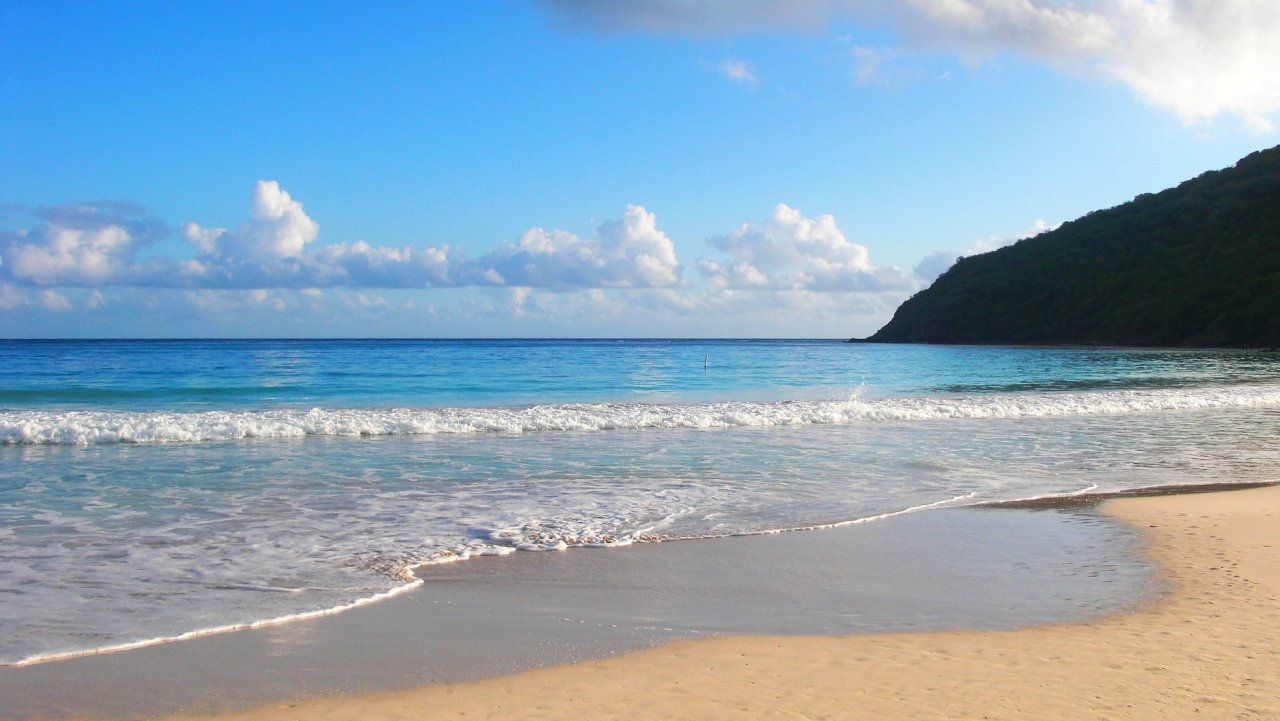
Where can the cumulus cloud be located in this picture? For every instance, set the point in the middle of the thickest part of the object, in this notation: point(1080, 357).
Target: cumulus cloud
point(70, 256)
point(268, 249)
point(759, 279)
point(204, 240)
point(732, 275)
point(360, 264)
point(277, 228)
point(1196, 58)
point(96, 246)
point(630, 252)
point(78, 245)
point(792, 252)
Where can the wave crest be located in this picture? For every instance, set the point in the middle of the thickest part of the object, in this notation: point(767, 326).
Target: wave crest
point(87, 427)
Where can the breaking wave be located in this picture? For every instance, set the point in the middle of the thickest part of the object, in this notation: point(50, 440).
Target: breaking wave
point(89, 427)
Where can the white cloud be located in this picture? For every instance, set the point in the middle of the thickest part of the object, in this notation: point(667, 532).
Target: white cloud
point(277, 228)
point(78, 245)
point(739, 72)
point(735, 275)
point(1201, 58)
point(630, 252)
point(364, 265)
point(272, 269)
point(791, 251)
point(1197, 58)
point(204, 240)
point(60, 255)
point(273, 249)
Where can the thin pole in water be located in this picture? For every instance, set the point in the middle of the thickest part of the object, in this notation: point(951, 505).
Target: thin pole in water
point(706, 359)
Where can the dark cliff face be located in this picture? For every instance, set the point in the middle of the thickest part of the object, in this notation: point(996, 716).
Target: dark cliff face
point(1195, 265)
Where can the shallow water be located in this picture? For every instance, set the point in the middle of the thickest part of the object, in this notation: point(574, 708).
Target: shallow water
point(153, 489)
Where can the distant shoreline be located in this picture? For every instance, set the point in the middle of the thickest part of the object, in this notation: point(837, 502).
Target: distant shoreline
point(1065, 345)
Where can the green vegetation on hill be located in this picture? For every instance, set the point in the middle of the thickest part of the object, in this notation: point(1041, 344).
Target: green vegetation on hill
point(1195, 265)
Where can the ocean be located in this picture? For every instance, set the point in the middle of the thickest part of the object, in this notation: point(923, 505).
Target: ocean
point(151, 490)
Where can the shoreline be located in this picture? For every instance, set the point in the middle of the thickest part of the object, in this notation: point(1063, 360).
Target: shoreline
point(59, 656)
point(1209, 647)
point(1066, 499)
point(1058, 501)
point(948, 568)
point(415, 581)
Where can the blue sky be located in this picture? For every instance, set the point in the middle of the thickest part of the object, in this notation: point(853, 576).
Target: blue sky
point(581, 168)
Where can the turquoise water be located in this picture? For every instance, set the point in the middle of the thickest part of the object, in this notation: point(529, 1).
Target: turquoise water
point(153, 489)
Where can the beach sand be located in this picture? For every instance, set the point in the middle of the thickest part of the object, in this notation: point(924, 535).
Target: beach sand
point(1209, 648)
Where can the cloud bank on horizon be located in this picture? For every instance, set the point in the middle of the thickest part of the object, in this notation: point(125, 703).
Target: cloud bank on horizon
point(92, 247)
point(100, 246)
point(1197, 58)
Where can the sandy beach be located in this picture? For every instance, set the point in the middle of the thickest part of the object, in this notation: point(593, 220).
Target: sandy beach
point(1210, 648)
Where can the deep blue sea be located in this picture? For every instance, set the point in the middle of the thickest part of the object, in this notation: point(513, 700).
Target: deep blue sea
point(150, 489)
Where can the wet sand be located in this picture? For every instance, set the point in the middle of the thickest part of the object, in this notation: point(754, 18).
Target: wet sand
point(1210, 648)
point(938, 569)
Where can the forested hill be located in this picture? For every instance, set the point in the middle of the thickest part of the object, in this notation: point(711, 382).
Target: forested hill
point(1195, 265)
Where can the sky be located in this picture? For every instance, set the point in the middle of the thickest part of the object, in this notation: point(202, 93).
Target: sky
point(581, 168)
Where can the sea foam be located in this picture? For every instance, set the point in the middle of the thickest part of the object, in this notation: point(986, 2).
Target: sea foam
point(88, 427)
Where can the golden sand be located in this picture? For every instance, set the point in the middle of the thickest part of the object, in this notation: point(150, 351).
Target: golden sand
point(1210, 649)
